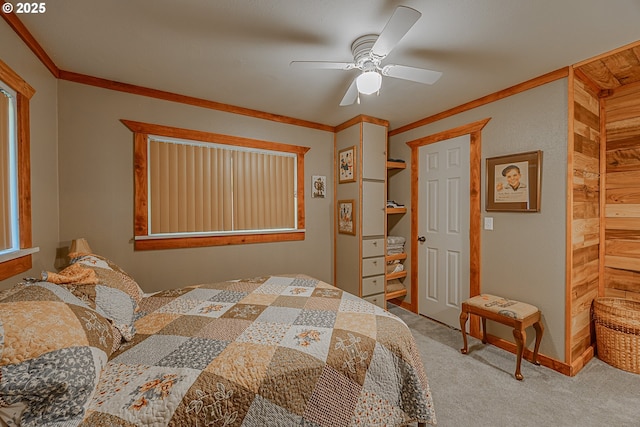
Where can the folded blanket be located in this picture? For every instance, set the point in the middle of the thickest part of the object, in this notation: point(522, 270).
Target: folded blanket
point(394, 268)
point(75, 273)
point(395, 251)
point(395, 246)
point(392, 240)
point(394, 285)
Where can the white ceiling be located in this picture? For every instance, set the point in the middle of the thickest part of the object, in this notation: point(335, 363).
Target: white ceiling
point(238, 51)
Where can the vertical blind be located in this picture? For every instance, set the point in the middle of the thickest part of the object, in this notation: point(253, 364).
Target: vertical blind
point(211, 188)
point(5, 171)
point(263, 191)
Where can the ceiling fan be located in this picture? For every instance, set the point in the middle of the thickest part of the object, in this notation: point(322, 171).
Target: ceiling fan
point(369, 51)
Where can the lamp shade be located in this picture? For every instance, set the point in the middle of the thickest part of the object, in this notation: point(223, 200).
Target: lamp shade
point(80, 246)
point(369, 82)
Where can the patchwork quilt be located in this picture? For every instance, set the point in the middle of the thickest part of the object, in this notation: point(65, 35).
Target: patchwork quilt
point(278, 350)
point(53, 348)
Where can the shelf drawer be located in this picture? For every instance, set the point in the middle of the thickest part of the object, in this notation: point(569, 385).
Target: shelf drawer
point(372, 247)
point(376, 300)
point(373, 266)
point(372, 285)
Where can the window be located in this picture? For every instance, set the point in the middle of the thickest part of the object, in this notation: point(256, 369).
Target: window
point(15, 172)
point(202, 189)
point(9, 231)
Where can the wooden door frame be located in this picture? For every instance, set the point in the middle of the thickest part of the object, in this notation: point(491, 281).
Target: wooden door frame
point(474, 130)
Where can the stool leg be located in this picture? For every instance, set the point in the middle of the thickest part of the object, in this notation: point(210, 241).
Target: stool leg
point(463, 327)
point(520, 335)
point(539, 331)
point(484, 330)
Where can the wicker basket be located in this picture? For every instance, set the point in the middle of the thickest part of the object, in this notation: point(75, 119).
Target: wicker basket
point(617, 323)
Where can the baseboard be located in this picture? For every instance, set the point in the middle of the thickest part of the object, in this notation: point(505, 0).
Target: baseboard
point(582, 360)
point(545, 361)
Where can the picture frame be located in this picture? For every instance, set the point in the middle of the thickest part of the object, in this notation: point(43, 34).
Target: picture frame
point(346, 217)
point(318, 186)
point(514, 182)
point(347, 165)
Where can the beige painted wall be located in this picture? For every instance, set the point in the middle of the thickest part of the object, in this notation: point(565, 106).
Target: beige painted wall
point(524, 256)
point(96, 190)
point(44, 150)
point(94, 160)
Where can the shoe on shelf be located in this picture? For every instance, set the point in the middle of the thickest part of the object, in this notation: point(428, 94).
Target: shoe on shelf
point(394, 204)
point(396, 160)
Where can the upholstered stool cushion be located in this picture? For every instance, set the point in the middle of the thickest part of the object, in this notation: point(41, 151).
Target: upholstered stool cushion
point(504, 307)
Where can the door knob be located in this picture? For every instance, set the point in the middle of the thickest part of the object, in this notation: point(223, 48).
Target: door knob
point(422, 239)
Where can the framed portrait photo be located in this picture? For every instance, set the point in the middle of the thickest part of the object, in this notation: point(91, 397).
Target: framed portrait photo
point(346, 217)
point(513, 182)
point(347, 165)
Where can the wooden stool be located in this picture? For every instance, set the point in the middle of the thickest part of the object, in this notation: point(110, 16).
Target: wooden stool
point(516, 314)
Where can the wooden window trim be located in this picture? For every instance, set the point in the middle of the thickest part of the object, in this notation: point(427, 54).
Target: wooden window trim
point(24, 92)
point(142, 241)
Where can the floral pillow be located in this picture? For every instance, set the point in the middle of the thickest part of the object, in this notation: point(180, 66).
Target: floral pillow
point(52, 350)
point(111, 275)
point(103, 286)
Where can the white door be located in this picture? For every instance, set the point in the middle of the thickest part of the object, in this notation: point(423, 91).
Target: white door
point(443, 204)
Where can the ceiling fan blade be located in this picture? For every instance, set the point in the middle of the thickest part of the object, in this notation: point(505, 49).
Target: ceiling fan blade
point(414, 74)
point(351, 95)
point(398, 25)
point(325, 65)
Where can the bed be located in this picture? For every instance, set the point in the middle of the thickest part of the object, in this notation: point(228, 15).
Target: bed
point(86, 347)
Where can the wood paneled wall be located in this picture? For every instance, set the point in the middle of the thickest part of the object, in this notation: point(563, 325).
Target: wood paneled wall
point(622, 193)
point(585, 220)
point(603, 251)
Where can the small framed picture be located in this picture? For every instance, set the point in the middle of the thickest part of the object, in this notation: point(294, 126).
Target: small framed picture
point(318, 186)
point(346, 217)
point(513, 182)
point(347, 165)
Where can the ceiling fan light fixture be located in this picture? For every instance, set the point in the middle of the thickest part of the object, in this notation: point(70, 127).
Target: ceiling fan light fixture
point(369, 82)
point(369, 51)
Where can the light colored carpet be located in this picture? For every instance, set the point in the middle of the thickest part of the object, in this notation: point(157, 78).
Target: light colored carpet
point(479, 389)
